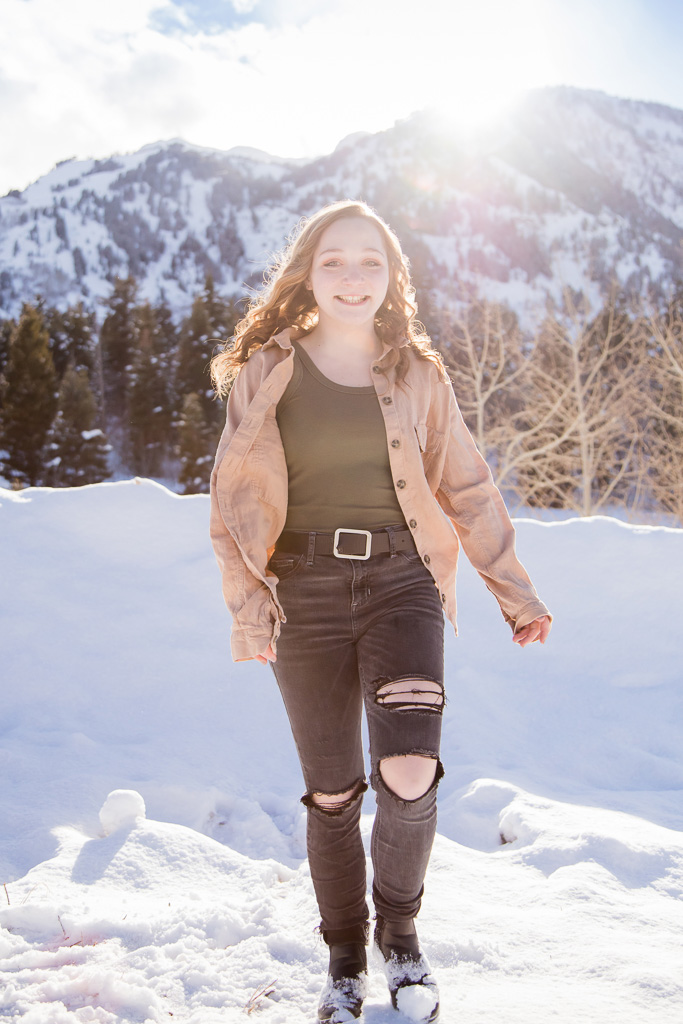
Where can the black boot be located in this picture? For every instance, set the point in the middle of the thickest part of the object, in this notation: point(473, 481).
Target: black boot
point(347, 980)
point(412, 985)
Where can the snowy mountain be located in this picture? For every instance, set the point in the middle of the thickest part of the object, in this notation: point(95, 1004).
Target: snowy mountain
point(574, 188)
point(555, 885)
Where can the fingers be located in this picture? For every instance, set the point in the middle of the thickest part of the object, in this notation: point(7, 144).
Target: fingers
point(522, 638)
point(268, 655)
point(533, 631)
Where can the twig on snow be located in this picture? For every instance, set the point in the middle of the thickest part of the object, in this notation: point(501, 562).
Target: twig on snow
point(257, 997)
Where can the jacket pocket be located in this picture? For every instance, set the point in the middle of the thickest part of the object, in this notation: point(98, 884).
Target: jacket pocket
point(428, 439)
point(431, 445)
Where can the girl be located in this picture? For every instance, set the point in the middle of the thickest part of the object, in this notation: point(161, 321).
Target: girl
point(342, 450)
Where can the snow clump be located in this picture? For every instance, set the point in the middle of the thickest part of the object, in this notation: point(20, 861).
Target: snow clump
point(121, 809)
point(417, 1002)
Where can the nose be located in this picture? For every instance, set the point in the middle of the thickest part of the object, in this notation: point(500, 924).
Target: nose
point(354, 274)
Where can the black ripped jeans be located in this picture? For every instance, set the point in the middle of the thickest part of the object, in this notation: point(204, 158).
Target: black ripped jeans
point(352, 627)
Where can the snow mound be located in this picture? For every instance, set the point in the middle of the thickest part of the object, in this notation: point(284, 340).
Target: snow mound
point(121, 809)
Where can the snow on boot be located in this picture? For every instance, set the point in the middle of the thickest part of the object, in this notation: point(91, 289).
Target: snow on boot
point(412, 985)
point(341, 999)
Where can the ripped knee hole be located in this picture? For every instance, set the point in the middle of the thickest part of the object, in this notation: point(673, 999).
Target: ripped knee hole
point(335, 803)
point(411, 694)
point(410, 776)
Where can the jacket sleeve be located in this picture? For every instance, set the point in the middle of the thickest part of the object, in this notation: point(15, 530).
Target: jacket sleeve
point(471, 500)
point(255, 618)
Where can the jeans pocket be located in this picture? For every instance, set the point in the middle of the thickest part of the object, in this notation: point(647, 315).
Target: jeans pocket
point(285, 565)
point(412, 555)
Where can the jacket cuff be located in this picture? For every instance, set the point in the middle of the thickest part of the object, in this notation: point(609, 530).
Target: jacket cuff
point(528, 614)
point(248, 641)
point(245, 645)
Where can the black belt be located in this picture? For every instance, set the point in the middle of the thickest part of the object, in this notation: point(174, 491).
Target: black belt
point(360, 544)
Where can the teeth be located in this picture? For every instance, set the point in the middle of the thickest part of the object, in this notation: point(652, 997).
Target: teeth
point(354, 299)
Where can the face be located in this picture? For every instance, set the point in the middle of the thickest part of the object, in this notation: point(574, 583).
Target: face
point(350, 272)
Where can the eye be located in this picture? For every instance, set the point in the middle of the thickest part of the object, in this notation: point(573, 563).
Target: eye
point(331, 263)
point(372, 263)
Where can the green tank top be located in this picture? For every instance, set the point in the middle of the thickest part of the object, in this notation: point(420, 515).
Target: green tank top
point(336, 451)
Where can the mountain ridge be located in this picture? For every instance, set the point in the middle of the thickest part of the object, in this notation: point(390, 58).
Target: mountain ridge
point(573, 188)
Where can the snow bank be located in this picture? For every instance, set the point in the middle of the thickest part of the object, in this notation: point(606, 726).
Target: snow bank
point(555, 886)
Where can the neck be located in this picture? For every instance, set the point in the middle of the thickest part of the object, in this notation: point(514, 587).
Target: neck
point(361, 341)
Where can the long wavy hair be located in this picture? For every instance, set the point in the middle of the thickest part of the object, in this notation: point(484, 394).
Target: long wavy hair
point(286, 301)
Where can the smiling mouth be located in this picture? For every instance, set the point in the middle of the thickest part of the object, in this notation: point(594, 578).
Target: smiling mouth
point(352, 300)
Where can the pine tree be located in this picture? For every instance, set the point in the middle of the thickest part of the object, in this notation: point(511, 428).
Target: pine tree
point(194, 352)
point(149, 405)
point(118, 342)
point(196, 447)
point(6, 329)
point(212, 320)
point(72, 338)
point(222, 314)
point(166, 348)
point(76, 450)
point(30, 399)
point(166, 336)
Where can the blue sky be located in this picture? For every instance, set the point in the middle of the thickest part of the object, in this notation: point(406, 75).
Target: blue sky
point(215, 16)
point(294, 77)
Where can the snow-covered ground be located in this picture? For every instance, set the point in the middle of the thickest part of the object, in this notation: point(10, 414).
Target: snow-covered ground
point(555, 890)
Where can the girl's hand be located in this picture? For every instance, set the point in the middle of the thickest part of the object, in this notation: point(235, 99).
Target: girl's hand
point(268, 655)
point(533, 631)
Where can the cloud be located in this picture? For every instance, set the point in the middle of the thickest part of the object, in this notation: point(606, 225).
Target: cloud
point(14, 92)
point(162, 83)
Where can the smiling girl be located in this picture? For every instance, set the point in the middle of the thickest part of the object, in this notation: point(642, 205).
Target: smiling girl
point(343, 448)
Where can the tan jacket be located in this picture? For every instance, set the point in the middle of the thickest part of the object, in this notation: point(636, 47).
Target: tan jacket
point(436, 468)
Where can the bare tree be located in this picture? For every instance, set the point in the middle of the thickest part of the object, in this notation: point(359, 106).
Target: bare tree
point(482, 347)
point(556, 415)
point(662, 403)
point(581, 422)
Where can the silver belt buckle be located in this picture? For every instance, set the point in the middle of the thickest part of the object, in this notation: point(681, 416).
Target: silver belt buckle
point(368, 544)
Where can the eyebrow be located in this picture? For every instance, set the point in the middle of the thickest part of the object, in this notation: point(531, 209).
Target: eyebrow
point(366, 249)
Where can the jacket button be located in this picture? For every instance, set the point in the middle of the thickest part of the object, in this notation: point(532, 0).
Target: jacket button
point(443, 599)
point(427, 559)
point(395, 443)
point(386, 400)
point(412, 524)
point(400, 483)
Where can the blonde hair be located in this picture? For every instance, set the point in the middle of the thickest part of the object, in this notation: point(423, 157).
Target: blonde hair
point(286, 301)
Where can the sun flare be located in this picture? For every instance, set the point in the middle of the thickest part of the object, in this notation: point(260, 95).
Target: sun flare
point(475, 110)
point(477, 61)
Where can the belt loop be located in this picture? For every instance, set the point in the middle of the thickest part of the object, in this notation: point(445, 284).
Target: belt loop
point(311, 548)
point(392, 543)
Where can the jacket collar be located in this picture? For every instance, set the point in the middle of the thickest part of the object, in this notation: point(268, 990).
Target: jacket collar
point(283, 339)
point(389, 348)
